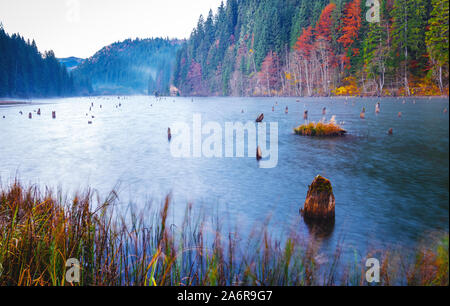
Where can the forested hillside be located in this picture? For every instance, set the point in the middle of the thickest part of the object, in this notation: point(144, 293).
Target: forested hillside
point(26, 73)
point(318, 47)
point(71, 62)
point(138, 66)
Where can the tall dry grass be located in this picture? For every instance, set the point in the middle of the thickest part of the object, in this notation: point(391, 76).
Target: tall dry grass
point(41, 230)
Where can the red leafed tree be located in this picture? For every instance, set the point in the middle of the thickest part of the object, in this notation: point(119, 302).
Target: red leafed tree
point(322, 47)
point(351, 26)
point(323, 28)
point(304, 48)
point(351, 23)
point(304, 44)
point(195, 77)
point(323, 35)
point(269, 74)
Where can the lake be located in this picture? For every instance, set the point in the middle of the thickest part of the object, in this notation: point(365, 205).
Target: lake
point(390, 190)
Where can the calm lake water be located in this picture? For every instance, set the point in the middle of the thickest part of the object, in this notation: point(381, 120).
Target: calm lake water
point(390, 190)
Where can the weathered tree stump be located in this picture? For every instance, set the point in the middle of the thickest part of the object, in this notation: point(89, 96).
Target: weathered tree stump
point(258, 153)
point(260, 118)
point(320, 201)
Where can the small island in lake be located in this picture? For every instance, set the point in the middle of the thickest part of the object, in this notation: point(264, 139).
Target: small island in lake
point(320, 129)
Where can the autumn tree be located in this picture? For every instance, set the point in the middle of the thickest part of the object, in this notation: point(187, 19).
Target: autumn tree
point(195, 77)
point(268, 75)
point(304, 47)
point(323, 46)
point(350, 30)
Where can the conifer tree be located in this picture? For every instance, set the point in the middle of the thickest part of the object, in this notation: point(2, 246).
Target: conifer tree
point(437, 40)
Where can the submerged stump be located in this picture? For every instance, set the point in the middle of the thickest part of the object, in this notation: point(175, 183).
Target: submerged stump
point(258, 153)
point(320, 201)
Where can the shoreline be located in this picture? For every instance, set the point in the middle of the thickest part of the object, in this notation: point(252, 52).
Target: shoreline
point(14, 103)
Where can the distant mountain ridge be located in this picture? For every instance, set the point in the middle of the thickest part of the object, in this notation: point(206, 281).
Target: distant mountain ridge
point(140, 66)
point(71, 62)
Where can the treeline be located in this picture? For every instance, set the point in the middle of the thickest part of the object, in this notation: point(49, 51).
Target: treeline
point(26, 73)
point(137, 66)
point(318, 48)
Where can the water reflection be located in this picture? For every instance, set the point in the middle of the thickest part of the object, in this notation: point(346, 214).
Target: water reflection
point(320, 229)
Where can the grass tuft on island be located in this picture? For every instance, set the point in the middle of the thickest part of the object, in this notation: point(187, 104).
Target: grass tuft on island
point(320, 129)
point(40, 231)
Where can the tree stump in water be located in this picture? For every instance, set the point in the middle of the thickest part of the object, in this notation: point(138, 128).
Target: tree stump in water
point(260, 118)
point(258, 154)
point(320, 201)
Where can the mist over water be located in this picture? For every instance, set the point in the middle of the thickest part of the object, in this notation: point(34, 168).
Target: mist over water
point(390, 190)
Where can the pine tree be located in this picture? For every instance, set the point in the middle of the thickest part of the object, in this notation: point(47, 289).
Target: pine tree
point(437, 40)
point(25, 73)
point(409, 22)
point(301, 21)
point(376, 49)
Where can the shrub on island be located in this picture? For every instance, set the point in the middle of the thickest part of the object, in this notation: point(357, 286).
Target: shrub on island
point(320, 129)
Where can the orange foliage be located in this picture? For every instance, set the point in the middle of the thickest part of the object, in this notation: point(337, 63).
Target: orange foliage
point(323, 28)
point(305, 42)
point(350, 28)
point(352, 23)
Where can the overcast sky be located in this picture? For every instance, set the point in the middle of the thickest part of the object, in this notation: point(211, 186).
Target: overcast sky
point(82, 27)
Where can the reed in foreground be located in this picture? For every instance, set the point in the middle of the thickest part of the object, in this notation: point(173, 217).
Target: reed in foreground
point(40, 231)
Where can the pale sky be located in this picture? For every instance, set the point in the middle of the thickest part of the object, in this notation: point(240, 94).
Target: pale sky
point(82, 27)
